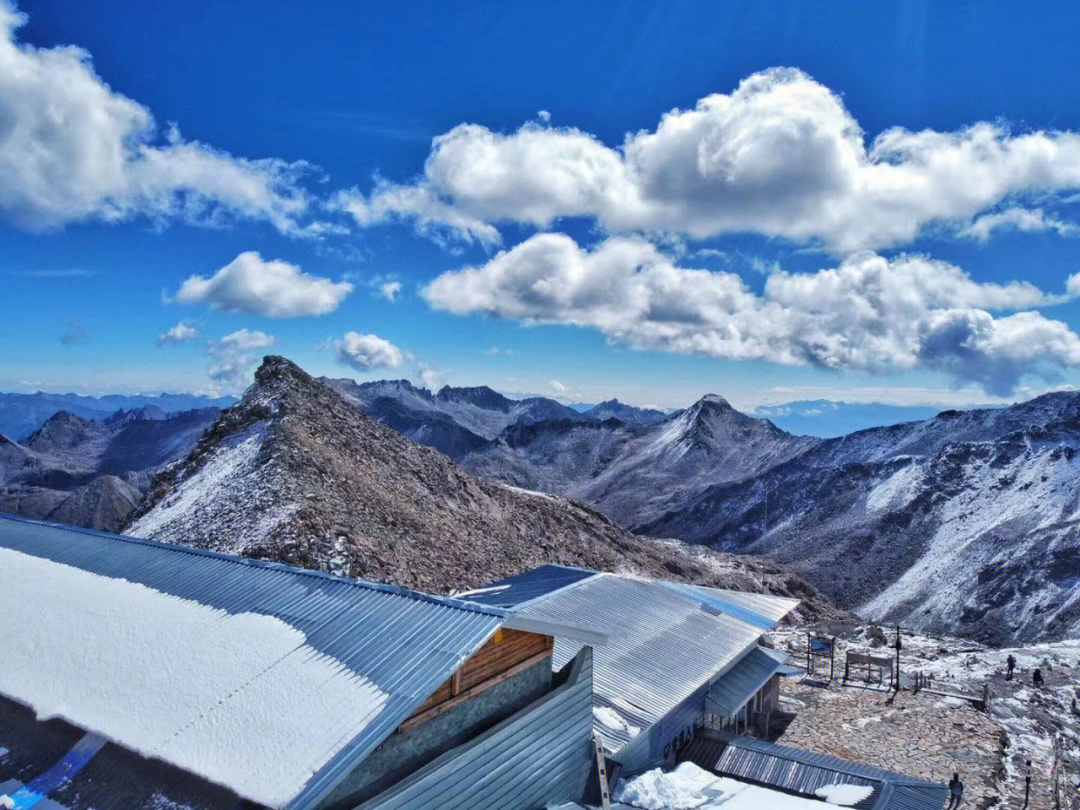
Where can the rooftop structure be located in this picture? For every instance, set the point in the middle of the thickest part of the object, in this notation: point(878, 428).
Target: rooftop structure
point(666, 645)
point(239, 682)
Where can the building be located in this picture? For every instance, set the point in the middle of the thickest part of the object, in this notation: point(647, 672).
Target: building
point(676, 657)
point(136, 674)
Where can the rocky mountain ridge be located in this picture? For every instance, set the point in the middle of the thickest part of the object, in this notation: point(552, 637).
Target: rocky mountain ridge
point(295, 472)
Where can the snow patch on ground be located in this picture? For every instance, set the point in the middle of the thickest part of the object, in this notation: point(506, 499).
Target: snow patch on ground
point(897, 490)
point(234, 456)
point(240, 699)
point(937, 588)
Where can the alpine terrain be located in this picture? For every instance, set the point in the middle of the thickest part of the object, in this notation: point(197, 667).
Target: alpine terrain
point(93, 473)
point(967, 522)
point(296, 473)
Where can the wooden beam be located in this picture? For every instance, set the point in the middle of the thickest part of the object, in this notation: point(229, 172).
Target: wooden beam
point(472, 692)
point(455, 683)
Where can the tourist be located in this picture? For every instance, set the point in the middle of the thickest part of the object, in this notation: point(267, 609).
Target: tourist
point(1010, 662)
point(1036, 678)
point(956, 791)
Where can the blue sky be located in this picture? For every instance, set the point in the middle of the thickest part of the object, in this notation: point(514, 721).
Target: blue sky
point(874, 202)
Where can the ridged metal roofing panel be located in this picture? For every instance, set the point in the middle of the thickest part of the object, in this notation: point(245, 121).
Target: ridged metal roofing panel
point(405, 643)
point(662, 646)
point(739, 684)
point(539, 757)
point(804, 772)
point(518, 590)
point(759, 609)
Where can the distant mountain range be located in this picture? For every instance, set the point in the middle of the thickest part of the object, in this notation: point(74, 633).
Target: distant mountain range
point(94, 472)
point(22, 414)
point(964, 522)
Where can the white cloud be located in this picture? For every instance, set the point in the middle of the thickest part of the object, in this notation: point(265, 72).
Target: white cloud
point(869, 313)
point(430, 378)
point(1028, 220)
point(72, 149)
point(780, 155)
point(390, 290)
point(558, 387)
point(367, 352)
point(275, 289)
point(178, 334)
point(232, 358)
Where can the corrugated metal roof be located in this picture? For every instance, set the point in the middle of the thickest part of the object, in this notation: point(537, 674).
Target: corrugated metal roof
point(539, 757)
point(519, 590)
point(662, 646)
point(759, 609)
point(729, 694)
point(804, 772)
point(403, 642)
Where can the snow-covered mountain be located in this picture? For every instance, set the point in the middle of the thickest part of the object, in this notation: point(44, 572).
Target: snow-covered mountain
point(93, 472)
point(632, 464)
point(636, 472)
point(613, 409)
point(295, 472)
point(438, 420)
point(966, 522)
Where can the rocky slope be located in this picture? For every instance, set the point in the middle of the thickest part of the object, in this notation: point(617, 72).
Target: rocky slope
point(967, 522)
point(296, 473)
point(92, 473)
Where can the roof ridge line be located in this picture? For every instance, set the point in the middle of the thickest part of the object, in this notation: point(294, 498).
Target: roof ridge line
point(422, 596)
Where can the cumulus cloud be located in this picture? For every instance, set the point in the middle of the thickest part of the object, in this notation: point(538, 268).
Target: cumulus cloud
point(367, 352)
point(275, 289)
point(558, 387)
point(178, 334)
point(390, 290)
point(1015, 218)
point(869, 313)
point(72, 150)
point(780, 155)
point(232, 357)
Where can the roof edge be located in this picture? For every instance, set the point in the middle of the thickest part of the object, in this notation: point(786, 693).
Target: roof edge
point(438, 599)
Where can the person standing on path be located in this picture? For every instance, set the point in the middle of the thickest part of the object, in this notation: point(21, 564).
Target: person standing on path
point(956, 792)
point(1010, 663)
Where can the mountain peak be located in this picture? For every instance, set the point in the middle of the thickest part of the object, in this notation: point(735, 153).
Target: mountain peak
point(147, 413)
point(713, 401)
point(480, 396)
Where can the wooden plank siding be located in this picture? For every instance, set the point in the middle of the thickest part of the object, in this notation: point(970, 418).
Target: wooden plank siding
point(502, 653)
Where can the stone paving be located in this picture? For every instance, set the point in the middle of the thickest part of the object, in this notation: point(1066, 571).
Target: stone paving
point(927, 735)
point(919, 735)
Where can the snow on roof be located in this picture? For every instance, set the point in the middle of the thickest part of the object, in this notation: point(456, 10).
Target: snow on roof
point(271, 681)
point(689, 787)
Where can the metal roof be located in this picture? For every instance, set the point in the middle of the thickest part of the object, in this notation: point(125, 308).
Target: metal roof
point(729, 694)
point(804, 772)
point(662, 646)
point(404, 643)
point(519, 590)
point(759, 609)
